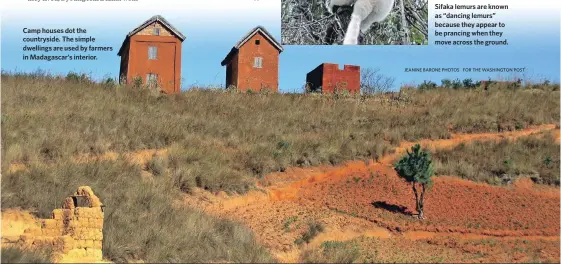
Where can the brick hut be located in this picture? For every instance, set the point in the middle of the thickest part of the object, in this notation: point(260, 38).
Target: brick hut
point(327, 78)
point(152, 52)
point(253, 63)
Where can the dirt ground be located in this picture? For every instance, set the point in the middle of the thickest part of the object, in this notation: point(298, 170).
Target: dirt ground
point(368, 204)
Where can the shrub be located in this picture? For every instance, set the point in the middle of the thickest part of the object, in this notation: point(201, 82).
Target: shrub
point(157, 165)
point(137, 82)
point(446, 83)
point(109, 83)
point(468, 83)
point(78, 78)
point(314, 228)
point(427, 85)
point(457, 84)
point(289, 221)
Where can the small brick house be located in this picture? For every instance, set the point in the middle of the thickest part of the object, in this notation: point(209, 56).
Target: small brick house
point(253, 63)
point(327, 78)
point(152, 52)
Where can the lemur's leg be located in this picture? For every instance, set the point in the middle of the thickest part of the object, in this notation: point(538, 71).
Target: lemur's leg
point(367, 23)
point(351, 36)
point(361, 10)
point(379, 12)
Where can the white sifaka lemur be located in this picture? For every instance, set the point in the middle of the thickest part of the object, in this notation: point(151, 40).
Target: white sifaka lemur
point(365, 13)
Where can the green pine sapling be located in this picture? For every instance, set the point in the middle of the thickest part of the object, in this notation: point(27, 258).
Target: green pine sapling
point(416, 168)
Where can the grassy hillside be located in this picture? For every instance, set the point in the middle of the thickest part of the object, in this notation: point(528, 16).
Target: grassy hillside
point(536, 157)
point(141, 221)
point(224, 139)
point(218, 141)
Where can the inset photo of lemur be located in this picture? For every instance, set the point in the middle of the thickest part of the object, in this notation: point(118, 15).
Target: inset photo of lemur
point(354, 22)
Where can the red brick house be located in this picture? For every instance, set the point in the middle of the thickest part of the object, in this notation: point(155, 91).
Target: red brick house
point(152, 52)
point(253, 63)
point(327, 78)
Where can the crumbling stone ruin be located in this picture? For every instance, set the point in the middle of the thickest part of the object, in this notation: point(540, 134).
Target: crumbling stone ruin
point(74, 232)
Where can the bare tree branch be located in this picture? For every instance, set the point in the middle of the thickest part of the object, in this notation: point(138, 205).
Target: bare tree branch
point(308, 22)
point(373, 82)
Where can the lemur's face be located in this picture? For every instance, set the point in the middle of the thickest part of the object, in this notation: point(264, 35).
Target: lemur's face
point(333, 4)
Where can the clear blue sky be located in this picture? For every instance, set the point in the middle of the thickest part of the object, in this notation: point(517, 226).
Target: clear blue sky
point(536, 48)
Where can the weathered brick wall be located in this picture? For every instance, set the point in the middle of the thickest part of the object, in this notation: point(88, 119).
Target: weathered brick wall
point(336, 79)
point(256, 79)
point(147, 31)
point(330, 78)
point(167, 65)
point(72, 232)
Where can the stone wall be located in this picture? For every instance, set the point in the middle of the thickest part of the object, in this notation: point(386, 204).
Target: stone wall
point(75, 231)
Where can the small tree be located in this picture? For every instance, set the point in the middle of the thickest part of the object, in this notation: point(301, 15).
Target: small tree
point(416, 168)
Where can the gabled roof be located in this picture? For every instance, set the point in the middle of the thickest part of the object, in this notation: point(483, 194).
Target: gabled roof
point(247, 37)
point(156, 18)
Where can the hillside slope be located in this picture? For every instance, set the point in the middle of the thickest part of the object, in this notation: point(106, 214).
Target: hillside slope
point(215, 140)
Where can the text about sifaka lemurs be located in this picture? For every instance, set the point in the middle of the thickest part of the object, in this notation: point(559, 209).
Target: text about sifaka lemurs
point(468, 25)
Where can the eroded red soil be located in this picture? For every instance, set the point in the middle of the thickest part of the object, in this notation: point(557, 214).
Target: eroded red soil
point(452, 205)
point(358, 200)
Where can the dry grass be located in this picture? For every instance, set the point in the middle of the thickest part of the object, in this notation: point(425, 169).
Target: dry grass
point(332, 252)
point(16, 255)
point(141, 222)
point(536, 157)
point(224, 139)
point(218, 141)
